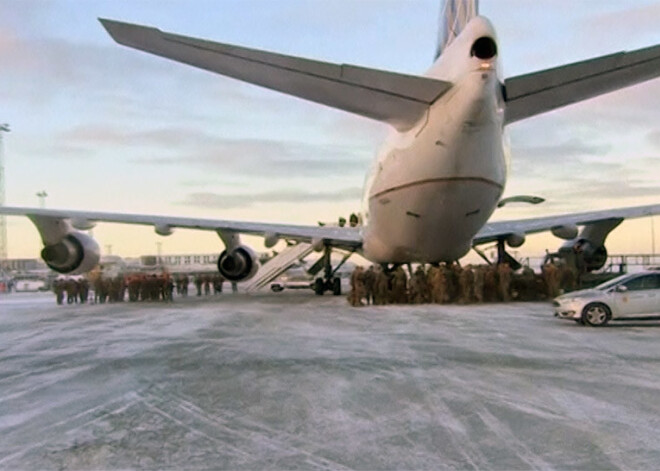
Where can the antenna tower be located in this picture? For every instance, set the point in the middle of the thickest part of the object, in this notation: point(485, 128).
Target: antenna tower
point(4, 128)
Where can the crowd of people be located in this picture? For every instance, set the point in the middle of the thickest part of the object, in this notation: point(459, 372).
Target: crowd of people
point(100, 288)
point(440, 284)
point(453, 283)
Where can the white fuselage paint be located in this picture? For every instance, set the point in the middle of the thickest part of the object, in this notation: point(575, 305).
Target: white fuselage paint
point(433, 187)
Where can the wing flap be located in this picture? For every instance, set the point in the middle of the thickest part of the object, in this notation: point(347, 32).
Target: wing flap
point(398, 99)
point(539, 92)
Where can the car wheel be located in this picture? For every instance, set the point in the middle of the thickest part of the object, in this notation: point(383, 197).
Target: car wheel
point(596, 314)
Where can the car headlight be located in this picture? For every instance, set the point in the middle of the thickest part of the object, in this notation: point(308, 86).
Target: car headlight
point(569, 300)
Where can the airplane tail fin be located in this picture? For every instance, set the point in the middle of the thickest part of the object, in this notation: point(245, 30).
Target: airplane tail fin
point(454, 15)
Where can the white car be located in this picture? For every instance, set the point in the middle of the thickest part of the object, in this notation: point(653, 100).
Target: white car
point(636, 295)
point(29, 284)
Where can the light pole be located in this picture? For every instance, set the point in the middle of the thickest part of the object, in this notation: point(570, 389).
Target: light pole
point(42, 198)
point(4, 128)
point(159, 249)
point(653, 236)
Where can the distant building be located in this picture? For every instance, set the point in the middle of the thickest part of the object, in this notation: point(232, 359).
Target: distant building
point(186, 260)
point(23, 264)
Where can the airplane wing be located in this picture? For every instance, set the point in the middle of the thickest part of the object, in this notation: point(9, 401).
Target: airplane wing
point(341, 237)
point(493, 231)
point(538, 92)
point(398, 99)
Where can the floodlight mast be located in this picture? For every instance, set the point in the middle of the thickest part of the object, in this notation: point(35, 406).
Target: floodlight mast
point(42, 198)
point(4, 128)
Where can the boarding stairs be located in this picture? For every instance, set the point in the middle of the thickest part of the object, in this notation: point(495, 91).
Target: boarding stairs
point(278, 265)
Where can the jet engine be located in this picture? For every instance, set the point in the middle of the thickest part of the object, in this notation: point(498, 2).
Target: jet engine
point(593, 255)
point(76, 253)
point(587, 252)
point(239, 264)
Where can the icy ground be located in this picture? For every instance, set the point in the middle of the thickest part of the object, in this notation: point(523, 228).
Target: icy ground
point(292, 381)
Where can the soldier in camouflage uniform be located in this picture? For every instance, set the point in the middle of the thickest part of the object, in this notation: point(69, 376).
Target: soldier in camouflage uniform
point(551, 275)
point(479, 274)
point(465, 281)
point(357, 287)
point(433, 280)
point(419, 291)
point(504, 273)
point(369, 277)
point(58, 287)
point(399, 286)
point(381, 286)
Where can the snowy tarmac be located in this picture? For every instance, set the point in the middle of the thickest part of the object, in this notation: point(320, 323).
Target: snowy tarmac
point(293, 381)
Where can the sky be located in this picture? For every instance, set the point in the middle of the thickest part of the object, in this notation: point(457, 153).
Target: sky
point(102, 127)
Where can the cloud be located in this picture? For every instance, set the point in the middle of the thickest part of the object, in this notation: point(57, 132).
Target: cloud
point(93, 78)
point(170, 137)
point(573, 147)
point(627, 22)
point(654, 138)
point(264, 157)
point(590, 188)
point(571, 185)
point(231, 201)
point(174, 145)
point(547, 160)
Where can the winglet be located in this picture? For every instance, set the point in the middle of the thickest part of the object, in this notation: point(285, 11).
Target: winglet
point(130, 35)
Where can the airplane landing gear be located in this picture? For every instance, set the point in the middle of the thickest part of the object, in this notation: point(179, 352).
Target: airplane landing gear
point(502, 256)
point(321, 286)
point(329, 282)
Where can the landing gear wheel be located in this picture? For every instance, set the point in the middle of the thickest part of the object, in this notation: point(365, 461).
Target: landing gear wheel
point(596, 314)
point(319, 286)
point(336, 286)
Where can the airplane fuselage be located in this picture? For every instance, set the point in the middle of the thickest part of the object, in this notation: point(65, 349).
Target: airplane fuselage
point(432, 187)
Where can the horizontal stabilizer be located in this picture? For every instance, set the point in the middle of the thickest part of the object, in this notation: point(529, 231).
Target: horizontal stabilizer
point(538, 92)
point(398, 99)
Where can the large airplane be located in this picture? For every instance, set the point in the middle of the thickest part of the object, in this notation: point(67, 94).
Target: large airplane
point(438, 177)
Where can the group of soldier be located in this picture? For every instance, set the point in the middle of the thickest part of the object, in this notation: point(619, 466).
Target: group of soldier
point(138, 287)
point(208, 284)
point(73, 290)
point(452, 283)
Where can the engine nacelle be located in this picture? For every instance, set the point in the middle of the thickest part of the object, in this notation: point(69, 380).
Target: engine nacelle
point(593, 255)
point(238, 265)
point(76, 253)
point(566, 232)
point(515, 240)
